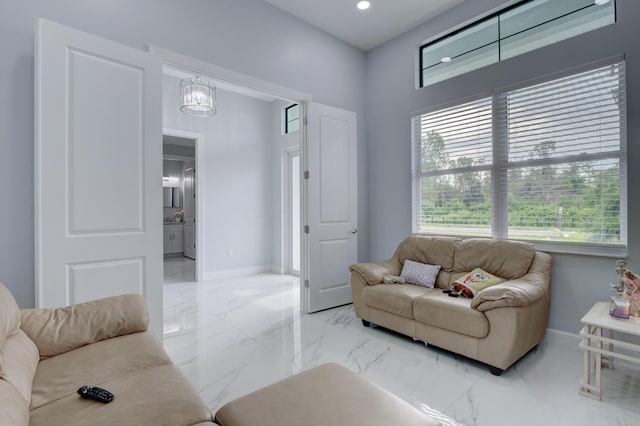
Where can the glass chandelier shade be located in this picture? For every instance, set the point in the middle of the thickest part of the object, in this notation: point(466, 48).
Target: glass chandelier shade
point(197, 97)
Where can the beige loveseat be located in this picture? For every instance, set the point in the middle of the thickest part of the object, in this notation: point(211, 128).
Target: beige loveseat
point(497, 327)
point(47, 354)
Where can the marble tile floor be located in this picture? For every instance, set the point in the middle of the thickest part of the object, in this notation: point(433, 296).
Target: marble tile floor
point(178, 268)
point(232, 336)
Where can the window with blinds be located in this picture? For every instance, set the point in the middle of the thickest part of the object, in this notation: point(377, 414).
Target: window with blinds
point(453, 159)
point(544, 162)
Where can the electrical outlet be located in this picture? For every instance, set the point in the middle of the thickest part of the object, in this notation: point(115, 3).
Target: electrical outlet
point(229, 252)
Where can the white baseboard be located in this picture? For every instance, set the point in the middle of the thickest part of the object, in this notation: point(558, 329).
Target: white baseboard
point(574, 336)
point(280, 270)
point(251, 270)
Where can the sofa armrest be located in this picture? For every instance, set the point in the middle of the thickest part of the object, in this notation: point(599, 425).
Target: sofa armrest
point(519, 292)
point(372, 273)
point(59, 330)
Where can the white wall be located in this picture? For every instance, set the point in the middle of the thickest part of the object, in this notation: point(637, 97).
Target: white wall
point(236, 177)
point(577, 281)
point(249, 36)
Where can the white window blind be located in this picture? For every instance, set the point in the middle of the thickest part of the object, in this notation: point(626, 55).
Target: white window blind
point(565, 160)
point(453, 159)
point(545, 162)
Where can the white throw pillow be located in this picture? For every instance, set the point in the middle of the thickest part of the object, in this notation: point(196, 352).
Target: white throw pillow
point(420, 273)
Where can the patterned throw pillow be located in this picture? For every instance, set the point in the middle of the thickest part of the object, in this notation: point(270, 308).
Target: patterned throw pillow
point(474, 282)
point(419, 273)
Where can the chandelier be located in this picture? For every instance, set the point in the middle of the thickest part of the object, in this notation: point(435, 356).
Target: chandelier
point(197, 97)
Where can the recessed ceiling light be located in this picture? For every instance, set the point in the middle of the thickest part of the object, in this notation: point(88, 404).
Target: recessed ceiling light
point(601, 2)
point(445, 59)
point(363, 5)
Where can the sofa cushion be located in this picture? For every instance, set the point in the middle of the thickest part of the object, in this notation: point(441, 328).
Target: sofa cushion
point(504, 258)
point(419, 273)
point(62, 375)
point(170, 400)
point(59, 330)
point(9, 318)
point(428, 249)
point(393, 298)
point(14, 410)
point(20, 363)
point(450, 313)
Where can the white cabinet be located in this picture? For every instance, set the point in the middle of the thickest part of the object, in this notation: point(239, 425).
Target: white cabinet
point(173, 238)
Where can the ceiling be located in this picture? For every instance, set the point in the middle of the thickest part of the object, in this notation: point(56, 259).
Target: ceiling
point(384, 20)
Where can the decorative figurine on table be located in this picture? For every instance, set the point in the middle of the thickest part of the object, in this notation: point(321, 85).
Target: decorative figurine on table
point(621, 267)
point(620, 305)
point(632, 292)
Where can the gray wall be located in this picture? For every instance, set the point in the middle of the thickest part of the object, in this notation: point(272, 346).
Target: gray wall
point(577, 281)
point(249, 36)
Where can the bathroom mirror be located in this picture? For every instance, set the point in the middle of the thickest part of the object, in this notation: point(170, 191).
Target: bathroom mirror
point(175, 197)
point(170, 197)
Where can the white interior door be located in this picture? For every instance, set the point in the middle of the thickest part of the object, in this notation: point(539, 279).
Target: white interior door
point(98, 151)
point(332, 205)
point(189, 213)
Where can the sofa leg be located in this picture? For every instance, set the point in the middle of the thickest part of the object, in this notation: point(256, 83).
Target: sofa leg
point(495, 371)
point(366, 323)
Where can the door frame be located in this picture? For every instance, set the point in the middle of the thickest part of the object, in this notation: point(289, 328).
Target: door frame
point(196, 66)
point(200, 166)
point(287, 203)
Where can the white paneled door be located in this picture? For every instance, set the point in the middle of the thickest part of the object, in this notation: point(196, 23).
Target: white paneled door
point(332, 205)
point(189, 211)
point(98, 150)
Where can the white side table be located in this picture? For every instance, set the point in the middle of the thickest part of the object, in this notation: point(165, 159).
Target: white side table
point(593, 344)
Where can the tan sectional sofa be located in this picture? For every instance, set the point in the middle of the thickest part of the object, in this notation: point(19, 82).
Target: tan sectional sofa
point(47, 354)
point(497, 327)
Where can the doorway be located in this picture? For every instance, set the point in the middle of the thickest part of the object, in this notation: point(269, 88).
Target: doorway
point(326, 132)
point(244, 185)
point(180, 206)
point(292, 196)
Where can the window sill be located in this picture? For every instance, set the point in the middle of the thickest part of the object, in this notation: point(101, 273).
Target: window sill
point(613, 251)
point(598, 250)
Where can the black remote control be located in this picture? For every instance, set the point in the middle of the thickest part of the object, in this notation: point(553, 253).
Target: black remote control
point(96, 393)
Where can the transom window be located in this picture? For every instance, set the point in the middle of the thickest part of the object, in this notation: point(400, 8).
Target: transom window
point(544, 162)
point(292, 118)
point(520, 27)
